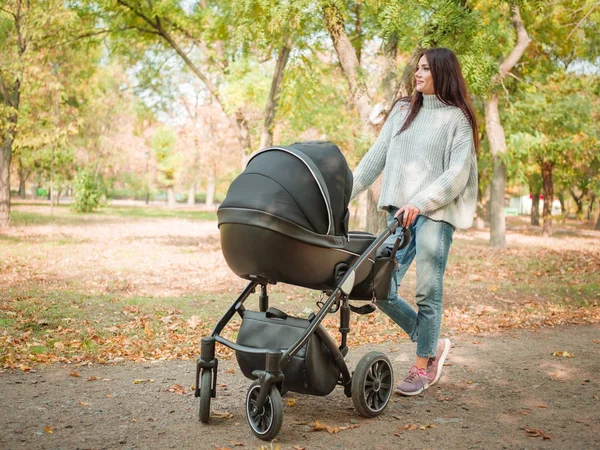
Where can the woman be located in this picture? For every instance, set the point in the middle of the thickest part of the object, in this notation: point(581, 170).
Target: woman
point(427, 152)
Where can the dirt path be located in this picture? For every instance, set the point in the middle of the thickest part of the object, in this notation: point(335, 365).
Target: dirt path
point(493, 389)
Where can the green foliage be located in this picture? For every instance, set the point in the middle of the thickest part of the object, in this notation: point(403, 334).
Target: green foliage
point(88, 191)
point(168, 162)
point(554, 123)
point(445, 23)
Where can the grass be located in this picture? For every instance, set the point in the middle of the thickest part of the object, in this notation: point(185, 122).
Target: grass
point(157, 213)
point(63, 215)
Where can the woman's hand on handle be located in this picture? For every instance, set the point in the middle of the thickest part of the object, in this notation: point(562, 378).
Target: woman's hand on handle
point(410, 214)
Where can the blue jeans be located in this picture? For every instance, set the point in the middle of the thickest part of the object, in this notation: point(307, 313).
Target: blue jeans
point(429, 244)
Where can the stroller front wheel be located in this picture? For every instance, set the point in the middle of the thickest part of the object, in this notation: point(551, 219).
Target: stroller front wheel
point(372, 384)
point(267, 421)
point(205, 395)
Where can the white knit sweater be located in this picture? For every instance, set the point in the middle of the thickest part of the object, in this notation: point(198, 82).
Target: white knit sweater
point(431, 165)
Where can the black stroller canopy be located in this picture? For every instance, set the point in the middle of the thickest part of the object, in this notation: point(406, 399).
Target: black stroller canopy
point(307, 183)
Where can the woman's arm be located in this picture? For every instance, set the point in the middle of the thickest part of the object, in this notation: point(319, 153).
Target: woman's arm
point(373, 162)
point(454, 179)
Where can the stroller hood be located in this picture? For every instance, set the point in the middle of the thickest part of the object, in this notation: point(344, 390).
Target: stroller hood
point(308, 184)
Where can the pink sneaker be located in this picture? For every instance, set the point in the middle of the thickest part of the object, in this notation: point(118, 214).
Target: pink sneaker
point(435, 364)
point(414, 383)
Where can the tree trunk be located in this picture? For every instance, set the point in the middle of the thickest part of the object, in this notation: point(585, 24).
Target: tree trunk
point(210, 190)
point(347, 55)
point(191, 200)
point(376, 219)
point(5, 157)
point(597, 227)
point(389, 80)
point(480, 211)
point(171, 203)
point(548, 197)
point(334, 22)
point(535, 209)
point(266, 138)
point(563, 209)
point(578, 202)
point(591, 204)
point(497, 140)
point(22, 187)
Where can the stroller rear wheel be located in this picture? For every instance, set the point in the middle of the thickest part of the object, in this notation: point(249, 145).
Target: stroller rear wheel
point(266, 422)
point(205, 395)
point(372, 384)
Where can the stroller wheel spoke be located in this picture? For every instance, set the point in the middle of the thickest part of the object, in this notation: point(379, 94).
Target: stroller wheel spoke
point(371, 397)
point(377, 370)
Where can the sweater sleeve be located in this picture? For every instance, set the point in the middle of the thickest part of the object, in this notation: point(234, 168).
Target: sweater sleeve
point(453, 181)
point(373, 162)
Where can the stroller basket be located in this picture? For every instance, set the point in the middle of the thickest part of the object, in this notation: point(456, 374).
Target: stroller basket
point(312, 370)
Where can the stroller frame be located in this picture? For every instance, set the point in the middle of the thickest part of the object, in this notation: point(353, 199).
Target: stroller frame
point(272, 376)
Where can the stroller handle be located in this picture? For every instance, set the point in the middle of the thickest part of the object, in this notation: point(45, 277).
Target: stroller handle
point(347, 282)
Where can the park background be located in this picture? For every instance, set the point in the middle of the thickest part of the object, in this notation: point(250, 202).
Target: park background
point(123, 122)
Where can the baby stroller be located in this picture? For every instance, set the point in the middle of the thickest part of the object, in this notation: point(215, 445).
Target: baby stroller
point(285, 219)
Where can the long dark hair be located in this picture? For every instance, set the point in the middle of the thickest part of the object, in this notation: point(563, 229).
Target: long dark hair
point(449, 85)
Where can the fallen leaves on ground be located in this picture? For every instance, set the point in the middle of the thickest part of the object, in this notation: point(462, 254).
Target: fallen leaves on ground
point(74, 374)
point(177, 389)
point(414, 426)
point(84, 403)
point(142, 381)
point(536, 433)
point(318, 426)
point(221, 415)
point(563, 354)
point(49, 430)
point(193, 322)
point(291, 401)
point(488, 292)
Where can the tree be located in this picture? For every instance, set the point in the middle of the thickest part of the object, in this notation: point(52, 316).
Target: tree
point(496, 136)
point(14, 21)
point(267, 28)
point(37, 41)
point(168, 161)
point(552, 124)
point(556, 123)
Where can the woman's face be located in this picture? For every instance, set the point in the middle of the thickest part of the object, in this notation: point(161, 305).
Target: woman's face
point(423, 77)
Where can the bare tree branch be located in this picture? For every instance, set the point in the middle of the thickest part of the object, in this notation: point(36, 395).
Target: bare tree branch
point(8, 12)
point(138, 13)
point(583, 19)
point(523, 41)
point(96, 33)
